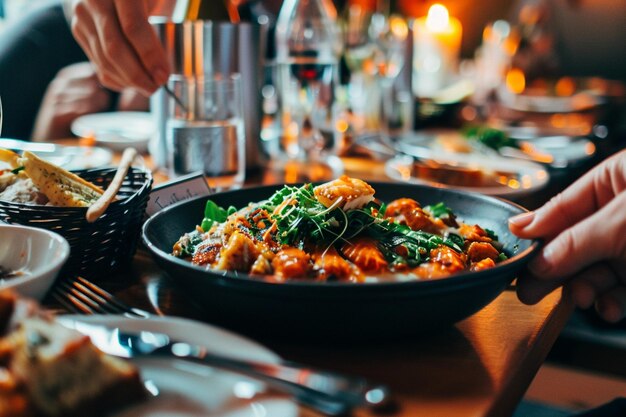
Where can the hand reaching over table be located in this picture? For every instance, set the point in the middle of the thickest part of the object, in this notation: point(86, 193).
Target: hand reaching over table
point(117, 38)
point(74, 92)
point(584, 229)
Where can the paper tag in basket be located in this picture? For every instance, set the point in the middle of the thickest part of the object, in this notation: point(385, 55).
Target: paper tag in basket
point(182, 188)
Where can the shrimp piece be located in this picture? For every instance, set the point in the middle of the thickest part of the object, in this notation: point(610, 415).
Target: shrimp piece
point(448, 258)
point(291, 263)
point(444, 261)
point(431, 270)
point(331, 266)
point(484, 264)
point(477, 251)
point(344, 192)
point(365, 254)
point(474, 233)
point(409, 212)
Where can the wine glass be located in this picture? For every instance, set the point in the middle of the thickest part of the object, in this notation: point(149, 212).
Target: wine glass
point(389, 34)
point(307, 47)
point(359, 53)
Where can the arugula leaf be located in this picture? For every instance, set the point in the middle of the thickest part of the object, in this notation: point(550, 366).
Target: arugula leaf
point(455, 240)
point(17, 170)
point(492, 234)
point(439, 210)
point(300, 218)
point(214, 213)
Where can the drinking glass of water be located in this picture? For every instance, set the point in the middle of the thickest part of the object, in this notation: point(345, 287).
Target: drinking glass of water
point(205, 131)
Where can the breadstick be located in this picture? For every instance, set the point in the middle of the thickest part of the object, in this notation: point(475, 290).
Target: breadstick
point(99, 207)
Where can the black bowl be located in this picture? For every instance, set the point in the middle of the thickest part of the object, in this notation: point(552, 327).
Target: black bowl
point(344, 311)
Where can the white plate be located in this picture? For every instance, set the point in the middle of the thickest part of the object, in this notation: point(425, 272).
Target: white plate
point(527, 176)
point(581, 101)
point(117, 130)
point(565, 150)
point(68, 157)
point(184, 389)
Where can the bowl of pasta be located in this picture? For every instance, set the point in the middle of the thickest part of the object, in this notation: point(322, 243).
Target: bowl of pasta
point(343, 259)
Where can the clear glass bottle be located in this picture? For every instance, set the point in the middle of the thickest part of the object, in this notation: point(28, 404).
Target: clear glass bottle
point(308, 46)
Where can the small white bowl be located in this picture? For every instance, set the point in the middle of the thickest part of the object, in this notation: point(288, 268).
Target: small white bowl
point(39, 253)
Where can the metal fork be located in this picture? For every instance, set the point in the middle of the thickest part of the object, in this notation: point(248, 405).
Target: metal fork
point(84, 297)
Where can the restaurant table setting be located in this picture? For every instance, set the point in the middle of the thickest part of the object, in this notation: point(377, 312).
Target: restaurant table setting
point(473, 142)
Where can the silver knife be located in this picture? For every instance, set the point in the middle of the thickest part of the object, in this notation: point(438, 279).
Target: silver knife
point(328, 392)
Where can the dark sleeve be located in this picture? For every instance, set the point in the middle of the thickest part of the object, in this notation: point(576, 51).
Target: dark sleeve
point(32, 51)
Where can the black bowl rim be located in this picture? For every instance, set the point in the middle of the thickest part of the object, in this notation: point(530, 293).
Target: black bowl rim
point(246, 281)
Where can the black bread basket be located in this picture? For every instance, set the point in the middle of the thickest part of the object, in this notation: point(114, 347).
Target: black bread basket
point(100, 247)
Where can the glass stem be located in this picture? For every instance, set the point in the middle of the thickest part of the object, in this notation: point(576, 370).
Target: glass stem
point(386, 109)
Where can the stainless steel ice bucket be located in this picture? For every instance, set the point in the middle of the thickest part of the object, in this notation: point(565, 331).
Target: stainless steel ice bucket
point(205, 48)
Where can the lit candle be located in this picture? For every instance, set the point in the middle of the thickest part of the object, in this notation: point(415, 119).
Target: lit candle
point(436, 45)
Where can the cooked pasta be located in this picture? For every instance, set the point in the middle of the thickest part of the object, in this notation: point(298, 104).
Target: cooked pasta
point(338, 231)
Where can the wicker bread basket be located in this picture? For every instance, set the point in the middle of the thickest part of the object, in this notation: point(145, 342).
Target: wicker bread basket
point(96, 248)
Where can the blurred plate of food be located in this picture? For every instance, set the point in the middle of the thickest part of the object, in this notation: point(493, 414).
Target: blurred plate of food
point(70, 158)
point(117, 130)
point(47, 360)
point(488, 175)
point(187, 388)
point(573, 124)
point(559, 151)
point(562, 95)
point(555, 151)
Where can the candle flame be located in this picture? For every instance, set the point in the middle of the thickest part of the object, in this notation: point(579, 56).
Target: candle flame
point(515, 81)
point(438, 19)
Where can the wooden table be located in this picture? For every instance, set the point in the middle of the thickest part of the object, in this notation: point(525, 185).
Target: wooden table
point(479, 367)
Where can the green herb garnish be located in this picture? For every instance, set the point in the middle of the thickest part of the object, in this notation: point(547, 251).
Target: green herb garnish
point(439, 210)
point(188, 247)
point(492, 138)
point(214, 213)
point(301, 219)
point(491, 234)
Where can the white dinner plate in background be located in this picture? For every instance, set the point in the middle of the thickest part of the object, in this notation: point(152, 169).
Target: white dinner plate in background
point(117, 130)
point(69, 157)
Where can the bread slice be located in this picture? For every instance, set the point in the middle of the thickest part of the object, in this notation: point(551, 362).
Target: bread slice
point(65, 374)
point(49, 370)
point(63, 188)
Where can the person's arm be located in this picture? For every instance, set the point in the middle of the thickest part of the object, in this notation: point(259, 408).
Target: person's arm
point(584, 229)
point(75, 91)
point(117, 38)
